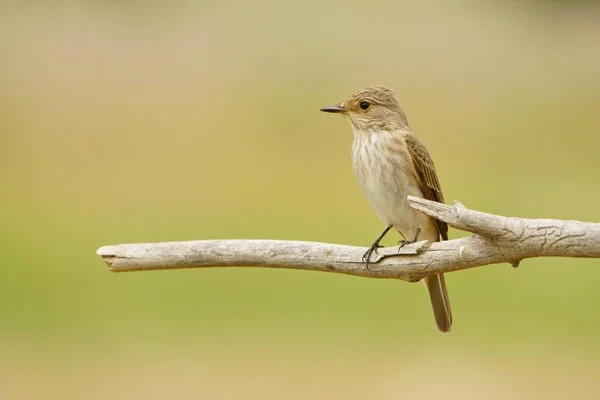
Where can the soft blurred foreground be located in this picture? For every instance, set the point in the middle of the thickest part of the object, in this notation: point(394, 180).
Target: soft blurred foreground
point(136, 122)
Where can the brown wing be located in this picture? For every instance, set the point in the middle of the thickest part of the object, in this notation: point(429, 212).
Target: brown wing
point(430, 185)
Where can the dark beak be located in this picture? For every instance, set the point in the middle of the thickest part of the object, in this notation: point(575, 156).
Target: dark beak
point(334, 109)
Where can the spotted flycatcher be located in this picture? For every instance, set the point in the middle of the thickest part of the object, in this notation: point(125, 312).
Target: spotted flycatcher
point(390, 163)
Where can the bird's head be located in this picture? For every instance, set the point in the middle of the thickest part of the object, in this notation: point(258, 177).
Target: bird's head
point(372, 109)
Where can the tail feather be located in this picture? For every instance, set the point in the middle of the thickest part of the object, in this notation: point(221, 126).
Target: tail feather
point(440, 302)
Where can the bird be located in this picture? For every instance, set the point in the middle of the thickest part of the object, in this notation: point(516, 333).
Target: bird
point(390, 163)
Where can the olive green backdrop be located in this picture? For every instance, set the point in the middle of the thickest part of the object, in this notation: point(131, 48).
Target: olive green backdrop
point(152, 121)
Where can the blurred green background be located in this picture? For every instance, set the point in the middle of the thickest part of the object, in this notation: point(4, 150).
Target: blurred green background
point(141, 121)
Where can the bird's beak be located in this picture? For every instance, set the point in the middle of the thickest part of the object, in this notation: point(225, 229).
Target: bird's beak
point(334, 109)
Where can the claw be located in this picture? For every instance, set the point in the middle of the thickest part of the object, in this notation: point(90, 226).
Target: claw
point(404, 242)
point(367, 256)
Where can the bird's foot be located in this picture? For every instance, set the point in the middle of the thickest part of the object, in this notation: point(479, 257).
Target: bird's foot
point(405, 241)
point(367, 256)
point(373, 249)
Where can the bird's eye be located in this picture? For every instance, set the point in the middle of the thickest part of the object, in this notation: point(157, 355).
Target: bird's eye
point(364, 105)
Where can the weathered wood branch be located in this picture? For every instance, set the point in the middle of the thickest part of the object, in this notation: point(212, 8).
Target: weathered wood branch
point(495, 239)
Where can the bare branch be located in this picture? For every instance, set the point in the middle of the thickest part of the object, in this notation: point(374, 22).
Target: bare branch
point(495, 239)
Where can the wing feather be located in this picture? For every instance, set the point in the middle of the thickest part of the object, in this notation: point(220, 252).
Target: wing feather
point(428, 180)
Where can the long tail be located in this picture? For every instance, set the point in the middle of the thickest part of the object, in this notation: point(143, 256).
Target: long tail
point(438, 294)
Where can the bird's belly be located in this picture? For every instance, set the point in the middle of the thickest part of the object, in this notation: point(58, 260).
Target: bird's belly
point(386, 176)
point(388, 197)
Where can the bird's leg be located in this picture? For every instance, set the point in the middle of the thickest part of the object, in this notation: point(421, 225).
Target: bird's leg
point(404, 241)
point(367, 256)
